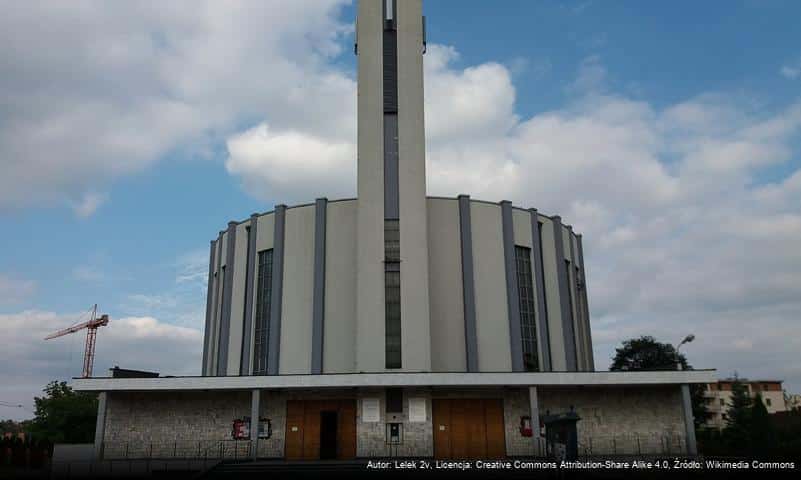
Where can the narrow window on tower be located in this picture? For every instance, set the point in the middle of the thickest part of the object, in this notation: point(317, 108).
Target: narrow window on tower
point(392, 302)
point(263, 303)
point(528, 326)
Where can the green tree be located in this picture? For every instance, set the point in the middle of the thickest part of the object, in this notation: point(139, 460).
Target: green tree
point(646, 353)
point(763, 434)
point(64, 416)
point(737, 433)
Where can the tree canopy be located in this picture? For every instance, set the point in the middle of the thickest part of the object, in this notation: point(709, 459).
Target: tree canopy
point(64, 416)
point(645, 353)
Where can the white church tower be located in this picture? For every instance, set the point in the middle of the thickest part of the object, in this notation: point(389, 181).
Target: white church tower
point(392, 274)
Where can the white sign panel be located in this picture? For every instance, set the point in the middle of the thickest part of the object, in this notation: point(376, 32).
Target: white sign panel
point(371, 411)
point(417, 409)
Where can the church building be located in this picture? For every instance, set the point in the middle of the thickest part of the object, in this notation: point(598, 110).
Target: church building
point(396, 324)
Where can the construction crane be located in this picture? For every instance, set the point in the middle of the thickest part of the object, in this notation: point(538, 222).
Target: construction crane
point(91, 327)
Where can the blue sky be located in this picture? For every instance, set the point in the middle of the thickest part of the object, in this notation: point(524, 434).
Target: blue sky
point(133, 133)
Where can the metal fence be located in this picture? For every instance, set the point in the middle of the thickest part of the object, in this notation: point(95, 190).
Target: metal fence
point(628, 445)
point(178, 449)
point(632, 445)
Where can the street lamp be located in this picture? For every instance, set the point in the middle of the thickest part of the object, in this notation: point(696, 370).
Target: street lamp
point(689, 338)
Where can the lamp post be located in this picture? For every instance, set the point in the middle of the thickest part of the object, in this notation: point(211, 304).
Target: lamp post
point(689, 421)
point(689, 338)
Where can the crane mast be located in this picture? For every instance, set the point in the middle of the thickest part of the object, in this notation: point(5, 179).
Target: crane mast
point(91, 327)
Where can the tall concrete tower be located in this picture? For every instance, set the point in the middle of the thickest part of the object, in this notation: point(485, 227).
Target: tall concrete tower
point(392, 266)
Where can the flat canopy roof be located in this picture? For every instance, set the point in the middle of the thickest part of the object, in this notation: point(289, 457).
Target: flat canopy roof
point(527, 379)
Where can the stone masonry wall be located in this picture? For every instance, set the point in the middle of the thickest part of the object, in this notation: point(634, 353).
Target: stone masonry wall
point(614, 420)
point(418, 437)
point(622, 420)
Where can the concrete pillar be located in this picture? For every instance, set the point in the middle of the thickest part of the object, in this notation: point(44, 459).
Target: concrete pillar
point(689, 424)
point(254, 423)
point(534, 407)
point(100, 426)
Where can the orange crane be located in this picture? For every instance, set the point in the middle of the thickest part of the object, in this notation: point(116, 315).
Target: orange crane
point(91, 327)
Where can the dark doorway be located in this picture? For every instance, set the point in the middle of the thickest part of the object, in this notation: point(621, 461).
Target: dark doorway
point(328, 435)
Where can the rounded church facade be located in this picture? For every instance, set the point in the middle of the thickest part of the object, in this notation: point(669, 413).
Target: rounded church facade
point(505, 292)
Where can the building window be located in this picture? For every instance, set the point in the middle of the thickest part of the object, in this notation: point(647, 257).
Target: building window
point(722, 402)
point(392, 301)
point(525, 290)
point(263, 307)
point(767, 401)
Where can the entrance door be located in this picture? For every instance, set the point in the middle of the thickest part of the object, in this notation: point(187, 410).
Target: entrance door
point(468, 428)
point(328, 435)
point(320, 429)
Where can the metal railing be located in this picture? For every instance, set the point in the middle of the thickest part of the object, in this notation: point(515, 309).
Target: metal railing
point(178, 449)
point(631, 445)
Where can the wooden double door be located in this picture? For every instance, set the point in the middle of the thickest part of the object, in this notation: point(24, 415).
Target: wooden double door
point(320, 429)
point(468, 428)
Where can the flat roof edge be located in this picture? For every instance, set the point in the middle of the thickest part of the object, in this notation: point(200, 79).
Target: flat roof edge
point(356, 380)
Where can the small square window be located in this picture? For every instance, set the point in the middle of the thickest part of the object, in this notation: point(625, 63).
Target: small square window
point(767, 400)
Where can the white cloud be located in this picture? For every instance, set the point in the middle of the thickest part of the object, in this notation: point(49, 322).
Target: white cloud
point(88, 273)
point(134, 342)
point(15, 290)
point(295, 165)
point(192, 267)
point(791, 70)
point(92, 92)
point(89, 204)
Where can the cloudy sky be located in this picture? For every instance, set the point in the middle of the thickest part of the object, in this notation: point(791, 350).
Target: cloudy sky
point(131, 132)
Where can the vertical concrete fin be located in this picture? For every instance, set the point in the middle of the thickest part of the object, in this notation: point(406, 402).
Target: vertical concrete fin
point(585, 306)
point(100, 425)
point(215, 310)
point(318, 310)
point(255, 408)
point(512, 293)
point(468, 284)
point(228, 288)
point(689, 424)
point(534, 409)
point(274, 352)
point(250, 274)
point(578, 317)
point(209, 296)
point(565, 309)
point(543, 335)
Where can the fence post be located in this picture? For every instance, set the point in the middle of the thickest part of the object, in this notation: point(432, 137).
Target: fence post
point(639, 450)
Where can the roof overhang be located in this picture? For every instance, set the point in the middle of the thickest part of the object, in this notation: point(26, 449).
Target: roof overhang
point(422, 379)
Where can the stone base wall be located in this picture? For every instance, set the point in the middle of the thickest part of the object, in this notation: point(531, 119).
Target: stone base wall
point(417, 437)
point(622, 420)
point(614, 420)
